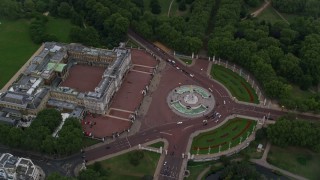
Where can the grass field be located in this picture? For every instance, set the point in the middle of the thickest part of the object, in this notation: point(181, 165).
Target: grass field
point(86, 142)
point(238, 86)
point(16, 47)
point(60, 28)
point(185, 60)
point(296, 160)
point(157, 145)
point(132, 44)
point(270, 15)
point(232, 132)
point(120, 167)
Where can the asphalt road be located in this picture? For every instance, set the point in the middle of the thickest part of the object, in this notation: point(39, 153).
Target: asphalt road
point(178, 135)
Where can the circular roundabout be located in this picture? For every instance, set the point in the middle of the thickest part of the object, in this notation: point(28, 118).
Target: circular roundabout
point(190, 101)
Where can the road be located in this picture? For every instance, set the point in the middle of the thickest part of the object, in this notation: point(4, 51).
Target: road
point(178, 135)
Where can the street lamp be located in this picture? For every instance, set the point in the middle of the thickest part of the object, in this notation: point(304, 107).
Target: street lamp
point(240, 140)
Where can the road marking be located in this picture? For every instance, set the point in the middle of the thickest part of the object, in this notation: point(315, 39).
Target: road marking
point(118, 118)
point(166, 133)
point(116, 109)
point(140, 71)
point(143, 66)
point(187, 127)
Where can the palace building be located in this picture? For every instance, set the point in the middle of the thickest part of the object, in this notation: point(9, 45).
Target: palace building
point(39, 85)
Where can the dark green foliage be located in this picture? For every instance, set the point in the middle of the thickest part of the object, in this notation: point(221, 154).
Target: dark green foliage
point(88, 36)
point(261, 134)
point(252, 3)
point(10, 9)
point(239, 170)
point(225, 160)
point(182, 5)
point(135, 157)
point(38, 30)
point(38, 137)
point(88, 174)
point(307, 7)
point(155, 7)
point(295, 133)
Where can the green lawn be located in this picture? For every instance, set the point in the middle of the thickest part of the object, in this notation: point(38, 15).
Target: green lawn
point(296, 160)
point(16, 47)
point(236, 84)
point(120, 167)
point(60, 28)
point(296, 92)
point(251, 150)
point(232, 132)
point(270, 15)
point(157, 145)
point(132, 44)
point(86, 142)
point(185, 60)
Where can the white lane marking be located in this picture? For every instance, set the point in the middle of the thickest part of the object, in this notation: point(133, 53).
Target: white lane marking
point(187, 127)
point(166, 133)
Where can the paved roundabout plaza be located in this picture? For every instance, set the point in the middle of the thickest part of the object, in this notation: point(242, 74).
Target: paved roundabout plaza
point(190, 101)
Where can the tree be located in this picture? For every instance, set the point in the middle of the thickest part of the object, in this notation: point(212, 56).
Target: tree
point(135, 157)
point(15, 137)
point(182, 5)
point(261, 134)
point(289, 68)
point(64, 10)
point(289, 6)
point(88, 174)
point(155, 7)
point(295, 133)
point(239, 170)
point(225, 160)
point(29, 5)
point(313, 8)
point(9, 9)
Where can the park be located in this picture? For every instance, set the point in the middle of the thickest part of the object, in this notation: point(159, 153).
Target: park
point(231, 74)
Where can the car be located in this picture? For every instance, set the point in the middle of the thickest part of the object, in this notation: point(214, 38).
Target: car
point(191, 75)
point(177, 67)
point(108, 147)
point(173, 61)
point(179, 122)
point(219, 116)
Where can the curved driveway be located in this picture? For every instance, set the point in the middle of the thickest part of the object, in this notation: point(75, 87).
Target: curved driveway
point(178, 135)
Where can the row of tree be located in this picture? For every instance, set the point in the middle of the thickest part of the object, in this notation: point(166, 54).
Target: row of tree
point(277, 54)
point(287, 132)
point(306, 7)
point(38, 137)
point(38, 30)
